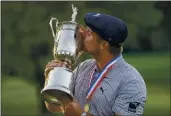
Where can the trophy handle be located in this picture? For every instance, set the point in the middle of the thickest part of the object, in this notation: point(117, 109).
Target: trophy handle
point(51, 26)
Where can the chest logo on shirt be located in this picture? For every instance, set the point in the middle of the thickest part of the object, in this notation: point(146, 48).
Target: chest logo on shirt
point(102, 89)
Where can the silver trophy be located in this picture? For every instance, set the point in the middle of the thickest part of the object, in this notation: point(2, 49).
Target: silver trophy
point(67, 48)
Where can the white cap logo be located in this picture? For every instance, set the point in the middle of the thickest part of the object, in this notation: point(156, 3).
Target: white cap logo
point(96, 15)
point(109, 39)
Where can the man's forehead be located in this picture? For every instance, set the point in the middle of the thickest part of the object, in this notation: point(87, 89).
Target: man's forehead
point(93, 33)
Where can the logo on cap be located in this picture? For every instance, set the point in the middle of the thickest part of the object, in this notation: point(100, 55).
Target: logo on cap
point(96, 15)
point(110, 39)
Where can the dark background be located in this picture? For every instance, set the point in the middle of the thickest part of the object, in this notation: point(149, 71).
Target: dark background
point(27, 43)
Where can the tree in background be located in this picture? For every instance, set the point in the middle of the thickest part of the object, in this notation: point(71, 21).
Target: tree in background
point(165, 8)
point(25, 42)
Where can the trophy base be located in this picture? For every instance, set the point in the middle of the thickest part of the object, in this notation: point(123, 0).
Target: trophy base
point(58, 95)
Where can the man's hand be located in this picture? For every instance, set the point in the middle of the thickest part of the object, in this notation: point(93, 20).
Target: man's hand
point(51, 65)
point(73, 109)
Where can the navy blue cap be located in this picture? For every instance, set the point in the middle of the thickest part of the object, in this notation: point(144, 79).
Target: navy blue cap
point(110, 28)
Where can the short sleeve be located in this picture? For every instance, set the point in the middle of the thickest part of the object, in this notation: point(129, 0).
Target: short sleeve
point(131, 99)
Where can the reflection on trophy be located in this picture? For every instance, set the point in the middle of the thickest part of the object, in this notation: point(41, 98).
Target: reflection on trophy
point(67, 48)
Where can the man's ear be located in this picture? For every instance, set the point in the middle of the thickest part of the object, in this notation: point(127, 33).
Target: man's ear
point(104, 45)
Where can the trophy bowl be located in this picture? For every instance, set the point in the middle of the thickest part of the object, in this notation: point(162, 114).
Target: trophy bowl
point(67, 48)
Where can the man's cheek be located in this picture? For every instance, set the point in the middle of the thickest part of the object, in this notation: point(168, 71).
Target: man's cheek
point(88, 41)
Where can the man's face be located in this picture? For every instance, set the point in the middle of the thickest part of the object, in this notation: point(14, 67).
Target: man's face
point(91, 45)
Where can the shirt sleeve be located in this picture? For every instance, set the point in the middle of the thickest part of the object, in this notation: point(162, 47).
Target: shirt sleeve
point(131, 99)
point(72, 84)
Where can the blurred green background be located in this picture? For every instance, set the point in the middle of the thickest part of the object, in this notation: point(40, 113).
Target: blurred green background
point(27, 47)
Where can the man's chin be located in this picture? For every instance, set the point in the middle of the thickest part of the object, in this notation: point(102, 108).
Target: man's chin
point(84, 50)
point(87, 51)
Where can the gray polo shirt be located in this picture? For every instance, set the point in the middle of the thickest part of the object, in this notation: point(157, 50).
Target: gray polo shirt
point(122, 91)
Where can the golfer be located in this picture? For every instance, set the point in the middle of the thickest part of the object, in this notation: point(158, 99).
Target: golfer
point(105, 85)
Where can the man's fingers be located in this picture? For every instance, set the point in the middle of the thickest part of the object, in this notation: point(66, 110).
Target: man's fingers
point(57, 64)
point(54, 65)
point(56, 61)
point(47, 70)
point(51, 67)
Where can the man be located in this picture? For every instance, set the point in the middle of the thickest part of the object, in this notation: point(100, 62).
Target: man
point(105, 85)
